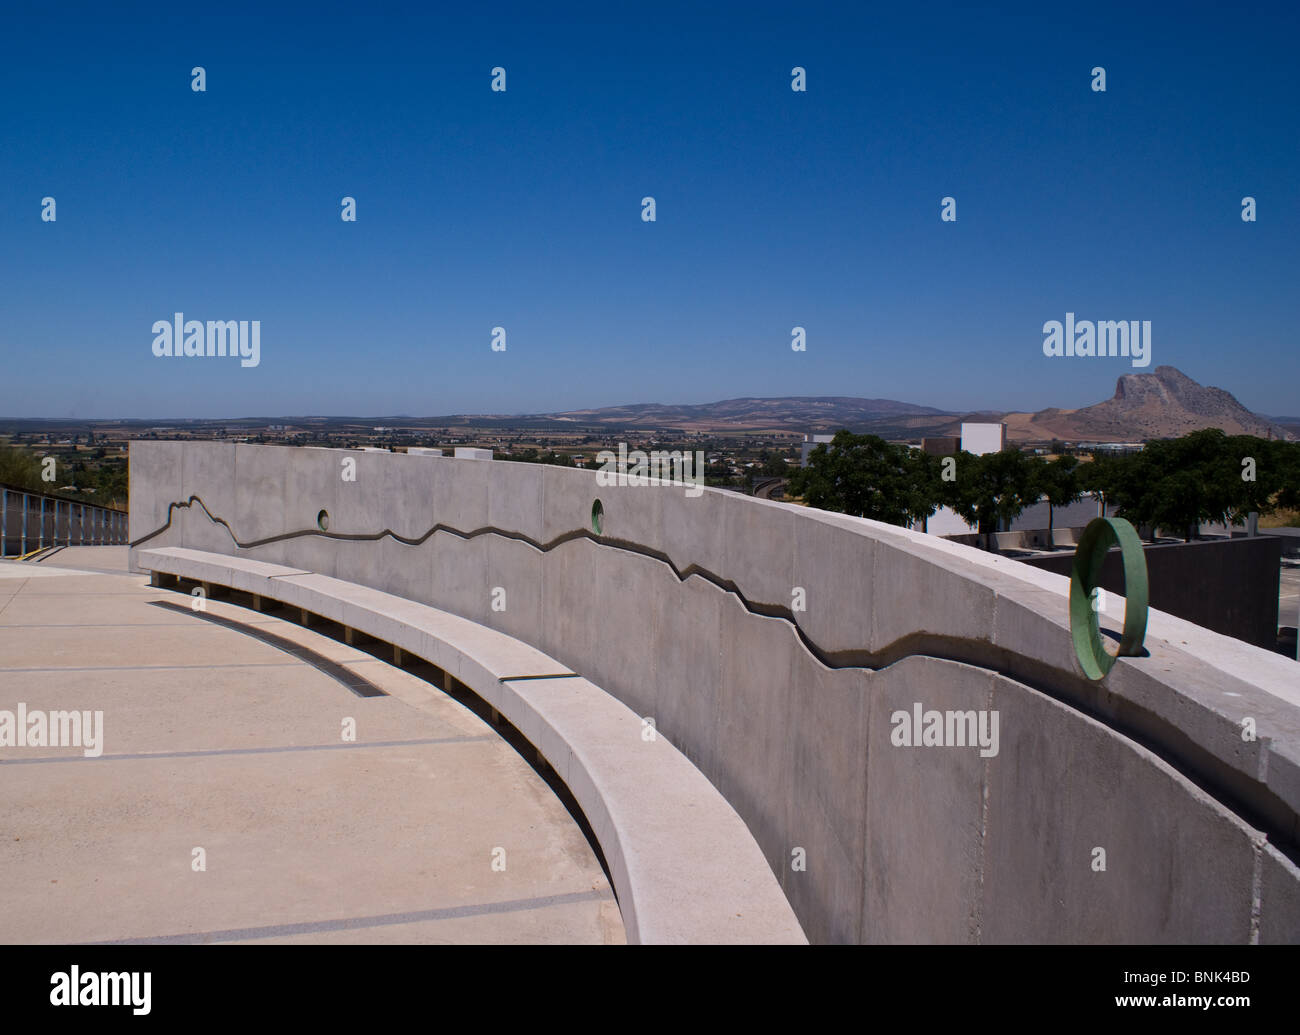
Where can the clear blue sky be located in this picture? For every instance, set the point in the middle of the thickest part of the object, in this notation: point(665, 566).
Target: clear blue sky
point(522, 209)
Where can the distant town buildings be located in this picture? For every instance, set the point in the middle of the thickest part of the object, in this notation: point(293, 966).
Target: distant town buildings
point(941, 445)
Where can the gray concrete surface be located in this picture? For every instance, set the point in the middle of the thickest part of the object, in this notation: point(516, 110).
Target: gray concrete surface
point(215, 740)
point(111, 560)
point(685, 868)
point(897, 843)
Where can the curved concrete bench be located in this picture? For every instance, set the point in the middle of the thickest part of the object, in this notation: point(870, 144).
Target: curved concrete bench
point(684, 865)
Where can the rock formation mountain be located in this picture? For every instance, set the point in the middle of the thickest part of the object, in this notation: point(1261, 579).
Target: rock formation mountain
point(1165, 403)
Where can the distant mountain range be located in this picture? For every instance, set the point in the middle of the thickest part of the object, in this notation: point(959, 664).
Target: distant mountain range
point(791, 412)
point(1165, 403)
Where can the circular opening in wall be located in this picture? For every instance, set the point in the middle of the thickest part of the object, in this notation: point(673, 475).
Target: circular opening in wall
point(597, 517)
point(323, 520)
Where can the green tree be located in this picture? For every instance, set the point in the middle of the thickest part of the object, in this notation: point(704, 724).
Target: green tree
point(861, 475)
point(1107, 476)
point(19, 468)
point(1059, 481)
point(926, 491)
point(1286, 458)
point(1174, 484)
point(991, 488)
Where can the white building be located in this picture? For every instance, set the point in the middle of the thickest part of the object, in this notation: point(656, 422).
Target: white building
point(977, 439)
point(811, 442)
point(983, 438)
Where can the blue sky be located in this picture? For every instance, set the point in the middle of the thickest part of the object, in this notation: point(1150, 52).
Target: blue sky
point(522, 209)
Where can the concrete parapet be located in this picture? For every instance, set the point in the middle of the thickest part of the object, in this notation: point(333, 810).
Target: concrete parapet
point(775, 646)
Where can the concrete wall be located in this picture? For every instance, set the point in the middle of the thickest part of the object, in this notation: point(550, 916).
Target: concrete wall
point(1228, 585)
point(1290, 538)
point(682, 608)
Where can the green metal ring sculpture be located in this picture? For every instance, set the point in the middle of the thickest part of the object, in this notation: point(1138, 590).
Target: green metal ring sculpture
point(1101, 534)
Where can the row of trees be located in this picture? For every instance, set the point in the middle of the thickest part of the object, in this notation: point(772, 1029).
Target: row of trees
point(1172, 484)
point(107, 476)
point(532, 456)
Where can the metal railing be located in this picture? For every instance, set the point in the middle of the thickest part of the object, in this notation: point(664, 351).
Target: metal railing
point(32, 521)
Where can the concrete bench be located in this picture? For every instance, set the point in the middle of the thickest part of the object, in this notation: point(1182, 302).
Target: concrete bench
point(684, 866)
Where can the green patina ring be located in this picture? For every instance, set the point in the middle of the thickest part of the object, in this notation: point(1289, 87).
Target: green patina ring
point(1101, 534)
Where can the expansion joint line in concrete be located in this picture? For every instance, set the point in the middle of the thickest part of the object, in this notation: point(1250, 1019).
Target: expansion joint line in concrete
point(1251, 800)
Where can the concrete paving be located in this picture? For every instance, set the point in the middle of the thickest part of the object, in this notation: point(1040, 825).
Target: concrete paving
point(217, 741)
point(685, 868)
point(109, 559)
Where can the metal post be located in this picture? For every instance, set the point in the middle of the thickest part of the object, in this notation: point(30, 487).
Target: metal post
point(4, 521)
point(22, 547)
point(40, 534)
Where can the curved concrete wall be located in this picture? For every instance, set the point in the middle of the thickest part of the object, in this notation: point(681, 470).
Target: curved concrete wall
point(685, 608)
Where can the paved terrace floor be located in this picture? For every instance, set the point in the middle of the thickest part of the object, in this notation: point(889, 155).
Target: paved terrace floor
point(216, 740)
